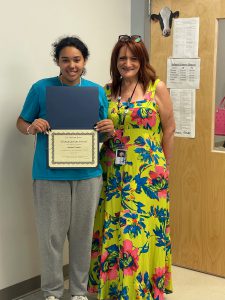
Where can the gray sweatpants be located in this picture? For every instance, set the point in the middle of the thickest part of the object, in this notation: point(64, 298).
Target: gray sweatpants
point(65, 208)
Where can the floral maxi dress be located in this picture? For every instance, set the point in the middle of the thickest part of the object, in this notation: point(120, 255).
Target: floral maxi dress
point(131, 250)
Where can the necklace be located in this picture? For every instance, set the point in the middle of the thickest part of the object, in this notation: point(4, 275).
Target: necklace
point(119, 104)
point(62, 84)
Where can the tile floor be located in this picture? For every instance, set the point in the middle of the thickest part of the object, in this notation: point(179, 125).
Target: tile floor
point(188, 285)
point(191, 285)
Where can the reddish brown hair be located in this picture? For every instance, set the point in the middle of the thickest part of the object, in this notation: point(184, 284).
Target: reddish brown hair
point(146, 72)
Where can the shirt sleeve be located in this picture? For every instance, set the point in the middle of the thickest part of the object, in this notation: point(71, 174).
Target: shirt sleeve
point(103, 101)
point(31, 108)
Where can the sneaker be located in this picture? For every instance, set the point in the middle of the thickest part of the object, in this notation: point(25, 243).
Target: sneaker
point(79, 298)
point(51, 298)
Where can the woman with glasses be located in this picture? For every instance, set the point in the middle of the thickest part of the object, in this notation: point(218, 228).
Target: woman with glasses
point(131, 251)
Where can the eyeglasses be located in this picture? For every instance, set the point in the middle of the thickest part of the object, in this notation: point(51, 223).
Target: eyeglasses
point(128, 38)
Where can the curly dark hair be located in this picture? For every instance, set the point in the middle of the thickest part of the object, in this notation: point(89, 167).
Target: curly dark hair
point(69, 41)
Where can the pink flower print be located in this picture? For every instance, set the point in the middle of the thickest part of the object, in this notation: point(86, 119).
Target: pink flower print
point(162, 194)
point(109, 267)
point(129, 258)
point(159, 172)
point(158, 179)
point(158, 294)
point(120, 139)
point(109, 155)
point(164, 173)
point(144, 116)
point(148, 96)
point(167, 229)
point(154, 174)
point(160, 281)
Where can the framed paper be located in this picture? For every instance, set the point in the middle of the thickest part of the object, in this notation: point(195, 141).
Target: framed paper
point(73, 148)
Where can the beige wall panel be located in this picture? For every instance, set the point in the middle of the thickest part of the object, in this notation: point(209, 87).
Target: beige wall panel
point(197, 180)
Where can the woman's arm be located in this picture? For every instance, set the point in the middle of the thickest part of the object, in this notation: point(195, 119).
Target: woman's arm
point(38, 125)
point(164, 102)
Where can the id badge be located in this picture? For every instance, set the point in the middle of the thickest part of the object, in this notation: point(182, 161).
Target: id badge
point(120, 157)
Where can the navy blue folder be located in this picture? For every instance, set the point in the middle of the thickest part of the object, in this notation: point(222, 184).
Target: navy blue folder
point(72, 107)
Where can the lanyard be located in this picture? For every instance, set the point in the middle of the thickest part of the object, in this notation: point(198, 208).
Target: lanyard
point(119, 104)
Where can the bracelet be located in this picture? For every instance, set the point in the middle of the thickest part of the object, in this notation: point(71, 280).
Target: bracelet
point(28, 129)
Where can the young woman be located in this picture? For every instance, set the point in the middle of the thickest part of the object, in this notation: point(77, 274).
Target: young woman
point(131, 252)
point(65, 199)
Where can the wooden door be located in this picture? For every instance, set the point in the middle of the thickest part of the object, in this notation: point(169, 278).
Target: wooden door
point(197, 176)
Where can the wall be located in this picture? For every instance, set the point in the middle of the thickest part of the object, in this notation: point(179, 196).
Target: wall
point(140, 19)
point(137, 17)
point(27, 30)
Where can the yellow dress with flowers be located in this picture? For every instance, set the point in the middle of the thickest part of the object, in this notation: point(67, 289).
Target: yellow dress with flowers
point(131, 250)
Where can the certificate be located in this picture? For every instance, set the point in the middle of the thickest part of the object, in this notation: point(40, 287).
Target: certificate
point(74, 148)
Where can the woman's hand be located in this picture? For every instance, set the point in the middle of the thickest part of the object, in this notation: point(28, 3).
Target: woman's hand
point(38, 125)
point(105, 126)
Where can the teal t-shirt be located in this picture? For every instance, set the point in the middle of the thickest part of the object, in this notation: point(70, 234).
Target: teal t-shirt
point(34, 108)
